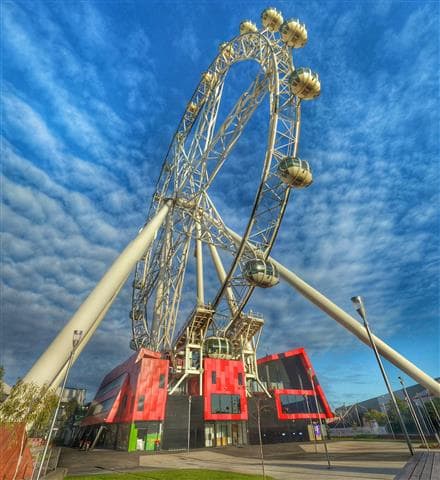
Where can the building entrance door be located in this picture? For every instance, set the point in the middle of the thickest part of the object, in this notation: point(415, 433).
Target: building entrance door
point(234, 434)
point(209, 435)
point(221, 434)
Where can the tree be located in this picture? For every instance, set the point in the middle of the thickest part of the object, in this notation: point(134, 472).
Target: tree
point(375, 416)
point(27, 404)
point(406, 416)
point(30, 404)
point(434, 411)
point(2, 376)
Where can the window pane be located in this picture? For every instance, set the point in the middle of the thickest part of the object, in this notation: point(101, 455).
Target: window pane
point(225, 403)
point(299, 404)
point(213, 377)
point(162, 380)
point(215, 403)
point(141, 403)
point(117, 382)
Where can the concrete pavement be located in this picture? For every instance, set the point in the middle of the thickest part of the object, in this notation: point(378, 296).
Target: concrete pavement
point(350, 460)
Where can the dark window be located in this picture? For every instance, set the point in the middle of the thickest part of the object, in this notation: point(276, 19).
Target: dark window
point(225, 403)
point(240, 378)
point(141, 400)
point(117, 382)
point(213, 377)
point(299, 404)
point(101, 407)
point(162, 380)
point(124, 403)
point(285, 373)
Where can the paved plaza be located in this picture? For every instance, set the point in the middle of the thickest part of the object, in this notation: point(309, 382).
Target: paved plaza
point(349, 459)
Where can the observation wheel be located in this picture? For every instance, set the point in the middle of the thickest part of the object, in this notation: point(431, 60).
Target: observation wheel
point(197, 154)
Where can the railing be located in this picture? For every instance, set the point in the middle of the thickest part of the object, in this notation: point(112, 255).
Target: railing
point(50, 463)
point(354, 431)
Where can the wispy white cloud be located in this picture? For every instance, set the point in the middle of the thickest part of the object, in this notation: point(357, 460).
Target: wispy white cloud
point(90, 104)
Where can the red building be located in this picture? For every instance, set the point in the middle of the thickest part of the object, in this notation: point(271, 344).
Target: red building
point(132, 409)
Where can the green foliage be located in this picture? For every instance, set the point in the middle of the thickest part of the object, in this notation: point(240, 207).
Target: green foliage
point(375, 416)
point(30, 404)
point(432, 412)
point(430, 407)
point(2, 376)
point(172, 475)
point(70, 408)
point(406, 415)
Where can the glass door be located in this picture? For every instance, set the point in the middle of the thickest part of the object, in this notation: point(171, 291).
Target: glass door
point(209, 435)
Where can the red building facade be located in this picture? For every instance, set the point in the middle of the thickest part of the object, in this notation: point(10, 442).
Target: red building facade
point(132, 409)
point(136, 390)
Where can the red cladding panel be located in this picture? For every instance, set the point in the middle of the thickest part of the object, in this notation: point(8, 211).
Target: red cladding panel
point(227, 382)
point(144, 374)
point(152, 386)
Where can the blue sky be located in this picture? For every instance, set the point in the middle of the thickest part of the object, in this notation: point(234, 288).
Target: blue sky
point(91, 95)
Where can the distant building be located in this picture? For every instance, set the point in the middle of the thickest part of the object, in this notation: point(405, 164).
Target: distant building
point(347, 416)
point(133, 410)
point(380, 403)
point(72, 393)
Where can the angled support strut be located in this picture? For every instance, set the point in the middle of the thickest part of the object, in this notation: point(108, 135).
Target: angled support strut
point(349, 323)
point(46, 370)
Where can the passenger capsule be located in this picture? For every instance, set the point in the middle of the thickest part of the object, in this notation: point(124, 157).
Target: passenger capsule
point(295, 172)
point(293, 33)
point(305, 84)
point(248, 27)
point(217, 347)
point(192, 108)
point(271, 19)
point(260, 273)
point(227, 50)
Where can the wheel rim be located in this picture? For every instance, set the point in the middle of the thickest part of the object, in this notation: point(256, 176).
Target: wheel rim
point(188, 172)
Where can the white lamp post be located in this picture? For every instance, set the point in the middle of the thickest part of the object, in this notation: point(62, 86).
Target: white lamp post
point(77, 335)
point(360, 308)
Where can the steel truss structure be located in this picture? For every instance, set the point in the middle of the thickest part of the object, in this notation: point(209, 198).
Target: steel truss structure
point(197, 153)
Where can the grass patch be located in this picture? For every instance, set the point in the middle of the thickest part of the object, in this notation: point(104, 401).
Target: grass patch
point(187, 474)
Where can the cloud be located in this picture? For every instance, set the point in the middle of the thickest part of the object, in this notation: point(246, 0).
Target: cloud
point(89, 106)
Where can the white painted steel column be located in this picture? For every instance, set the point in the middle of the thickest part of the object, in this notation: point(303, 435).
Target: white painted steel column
point(199, 258)
point(352, 325)
point(47, 368)
point(85, 338)
point(221, 273)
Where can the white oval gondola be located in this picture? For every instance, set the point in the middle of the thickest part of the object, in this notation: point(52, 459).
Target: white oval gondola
point(293, 33)
point(217, 347)
point(271, 19)
point(305, 84)
point(295, 172)
point(248, 27)
point(260, 273)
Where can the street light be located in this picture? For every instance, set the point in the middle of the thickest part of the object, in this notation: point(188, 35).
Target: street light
point(360, 308)
point(76, 338)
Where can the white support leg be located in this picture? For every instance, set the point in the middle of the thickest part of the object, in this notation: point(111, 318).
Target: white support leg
point(199, 258)
point(85, 339)
point(48, 366)
point(221, 273)
point(353, 326)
